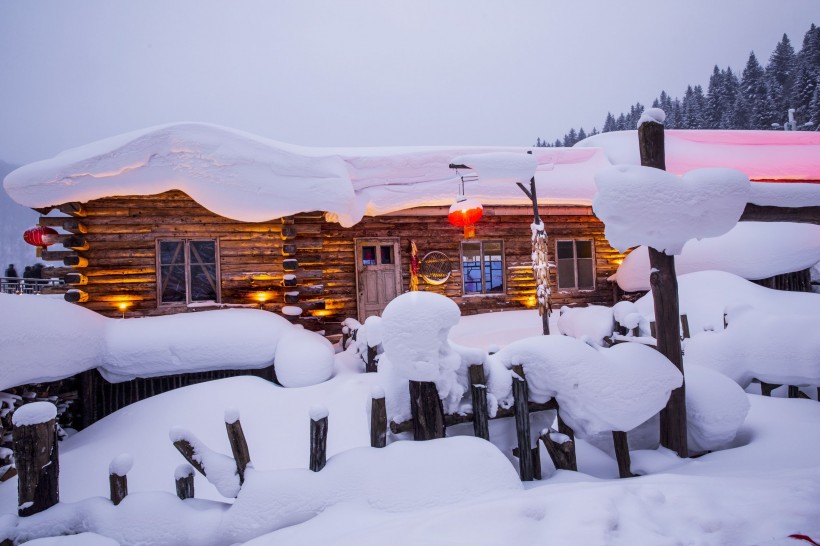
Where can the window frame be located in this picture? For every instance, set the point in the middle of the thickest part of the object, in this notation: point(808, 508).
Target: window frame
point(575, 265)
point(482, 266)
point(186, 241)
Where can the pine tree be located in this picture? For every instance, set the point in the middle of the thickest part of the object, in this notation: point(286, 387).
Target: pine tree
point(609, 124)
point(714, 100)
point(594, 131)
point(753, 91)
point(581, 134)
point(779, 79)
point(807, 75)
point(557, 143)
point(733, 114)
point(699, 110)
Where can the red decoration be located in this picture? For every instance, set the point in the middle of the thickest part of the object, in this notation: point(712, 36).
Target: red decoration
point(464, 213)
point(40, 236)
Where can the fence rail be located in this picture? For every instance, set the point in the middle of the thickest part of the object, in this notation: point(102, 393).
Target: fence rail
point(20, 285)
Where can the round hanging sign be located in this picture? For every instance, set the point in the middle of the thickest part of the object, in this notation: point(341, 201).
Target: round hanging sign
point(435, 267)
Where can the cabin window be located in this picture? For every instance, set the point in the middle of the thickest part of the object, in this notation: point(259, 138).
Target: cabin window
point(187, 271)
point(576, 265)
point(482, 267)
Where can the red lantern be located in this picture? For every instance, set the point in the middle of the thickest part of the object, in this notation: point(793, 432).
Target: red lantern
point(464, 213)
point(40, 236)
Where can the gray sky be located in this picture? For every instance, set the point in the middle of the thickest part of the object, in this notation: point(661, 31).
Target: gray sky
point(362, 72)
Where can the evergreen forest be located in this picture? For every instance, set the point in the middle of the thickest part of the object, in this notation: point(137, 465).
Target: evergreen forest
point(758, 97)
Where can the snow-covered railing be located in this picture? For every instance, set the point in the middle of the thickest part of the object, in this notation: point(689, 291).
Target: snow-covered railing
point(20, 285)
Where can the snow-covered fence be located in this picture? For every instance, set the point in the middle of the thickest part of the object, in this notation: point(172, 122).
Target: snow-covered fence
point(378, 418)
point(318, 438)
point(118, 477)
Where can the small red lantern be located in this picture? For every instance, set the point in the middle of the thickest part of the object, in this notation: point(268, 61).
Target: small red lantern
point(40, 236)
point(464, 213)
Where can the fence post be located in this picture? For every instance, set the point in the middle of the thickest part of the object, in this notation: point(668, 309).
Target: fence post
point(370, 365)
point(522, 423)
point(478, 390)
point(239, 446)
point(35, 453)
point(318, 438)
point(184, 478)
point(622, 454)
point(117, 477)
point(427, 411)
point(378, 418)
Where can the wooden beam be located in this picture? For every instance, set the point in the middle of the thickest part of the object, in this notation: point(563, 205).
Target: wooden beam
point(72, 225)
point(73, 209)
point(75, 261)
point(56, 255)
point(760, 213)
point(75, 278)
point(74, 242)
point(75, 295)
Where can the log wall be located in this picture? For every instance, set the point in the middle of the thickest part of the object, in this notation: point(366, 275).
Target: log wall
point(117, 264)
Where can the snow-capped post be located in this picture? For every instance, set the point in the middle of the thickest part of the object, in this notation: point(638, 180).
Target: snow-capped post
point(621, 444)
point(118, 477)
point(370, 365)
point(540, 261)
point(478, 389)
point(522, 423)
point(34, 439)
point(184, 478)
point(239, 446)
point(427, 411)
point(318, 438)
point(378, 418)
point(664, 284)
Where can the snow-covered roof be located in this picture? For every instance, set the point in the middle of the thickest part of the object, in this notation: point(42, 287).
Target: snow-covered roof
point(249, 178)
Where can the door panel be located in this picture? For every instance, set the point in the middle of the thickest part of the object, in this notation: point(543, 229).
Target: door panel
point(378, 274)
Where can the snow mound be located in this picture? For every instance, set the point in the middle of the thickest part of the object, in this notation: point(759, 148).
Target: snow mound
point(787, 248)
point(645, 206)
point(303, 358)
point(781, 349)
point(34, 414)
point(716, 407)
point(597, 389)
point(594, 322)
point(500, 167)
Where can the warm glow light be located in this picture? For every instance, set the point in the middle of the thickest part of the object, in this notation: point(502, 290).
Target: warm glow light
point(123, 306)
point(619, 261)
point(531, 301)
point(262, 297)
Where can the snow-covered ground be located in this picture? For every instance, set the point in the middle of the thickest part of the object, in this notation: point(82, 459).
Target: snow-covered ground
point(758, 487)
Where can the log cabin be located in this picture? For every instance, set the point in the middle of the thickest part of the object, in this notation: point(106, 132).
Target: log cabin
point(186, 217)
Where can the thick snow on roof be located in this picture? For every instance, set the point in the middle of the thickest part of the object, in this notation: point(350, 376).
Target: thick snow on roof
point(761, 155)
point(249, 178)
point(752, 250)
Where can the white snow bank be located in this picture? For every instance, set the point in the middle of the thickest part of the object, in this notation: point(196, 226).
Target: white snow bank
point(646, 206)
point(34, 414)
point(220, 469)
point(303, 358)
point(500, 167)
point(752, 250)
point(716, 407)
point(775, 348)
point(597, 390)
point(593, 322)
point(45, 339)
point(209, 340)
point(82, 539)
point(706, 295)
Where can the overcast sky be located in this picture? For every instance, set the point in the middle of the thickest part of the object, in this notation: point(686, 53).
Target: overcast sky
point(362, 72)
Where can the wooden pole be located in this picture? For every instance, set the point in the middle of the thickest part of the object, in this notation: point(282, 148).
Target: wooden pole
point(664, 284)
point(370, 365)
point(427, 411)
point(318, 438)
point(118, 477)
point(622, 454)
point(478, 390)
point(184, 478)
point(378, 419)
point(522, 424)
point(34, 439)
point(239, 446)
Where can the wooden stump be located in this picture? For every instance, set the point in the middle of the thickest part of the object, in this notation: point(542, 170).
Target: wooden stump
point(561, 449)
point(239, 446)
point(427, 411)
point(184, 478)
point(794, 392)
point(522, 424)
point(378, 419)
point(318, 438)
point(35, 454)
point(478, 390)
point(767, 388)
point(622, 454)
point(117, 477)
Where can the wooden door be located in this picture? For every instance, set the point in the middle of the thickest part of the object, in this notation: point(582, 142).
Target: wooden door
point(378, 274)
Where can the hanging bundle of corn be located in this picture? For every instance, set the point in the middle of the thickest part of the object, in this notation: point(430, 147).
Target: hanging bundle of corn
point(540, 269)
point(414, 267)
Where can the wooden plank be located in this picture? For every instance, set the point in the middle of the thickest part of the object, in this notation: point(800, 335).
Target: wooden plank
point(72, 225)
point(56, 255)
point(73, 209)
point(760, 213)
